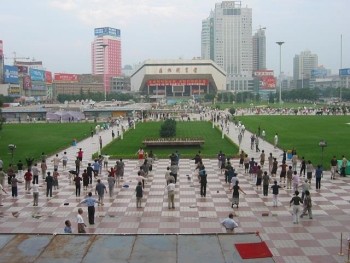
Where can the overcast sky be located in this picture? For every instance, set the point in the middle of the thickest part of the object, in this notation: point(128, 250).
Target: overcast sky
point(59, 32)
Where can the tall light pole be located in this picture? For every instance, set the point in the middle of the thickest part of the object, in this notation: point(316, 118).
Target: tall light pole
point(104, 66)
point(280, 43)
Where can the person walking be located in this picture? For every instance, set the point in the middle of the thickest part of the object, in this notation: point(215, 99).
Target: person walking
point(302, 166)
point(139, 194)
point(235, 194)
point(77, 180)
point(275, 192)
point(111, 183)
point(14, 182)
point(100, 190)
point(266, 182)
point(85, 180)
point(203, 182)
point(296, 201)
point(28, 178)
point(55, 176)
point(334, 167)
point(80, 222)
point(344, 164)
point(275, 141)
point(309, 170)
point(90, 203)
point(229, 224)
point(49, 184)
point(35, 172)
point(35, 188)
point(318, 176)
point(307, 205)
point(1, 190)
point(171, 194)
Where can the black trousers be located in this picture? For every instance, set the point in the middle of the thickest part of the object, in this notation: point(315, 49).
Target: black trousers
point(49, 190)
point(77, 190)
point(203, 189)
point(265, 190)
point(91, 212)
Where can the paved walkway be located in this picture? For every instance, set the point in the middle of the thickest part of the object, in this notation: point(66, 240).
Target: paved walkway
point(316, 240)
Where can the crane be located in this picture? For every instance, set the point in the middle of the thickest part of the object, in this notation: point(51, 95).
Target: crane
point(15, 57)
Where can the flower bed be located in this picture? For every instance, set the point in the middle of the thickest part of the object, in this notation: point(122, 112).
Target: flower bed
point(173, 142)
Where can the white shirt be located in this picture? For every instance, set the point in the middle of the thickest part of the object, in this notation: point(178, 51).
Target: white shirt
point(170, 187)
point(80, 219)
point(35, 188)
point(229, 223)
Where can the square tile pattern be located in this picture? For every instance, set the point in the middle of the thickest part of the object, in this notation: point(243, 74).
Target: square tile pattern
point(312, 240)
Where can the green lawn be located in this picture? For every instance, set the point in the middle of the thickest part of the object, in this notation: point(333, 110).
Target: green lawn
point(128, 147)
point(304, 134)
point(33, 139)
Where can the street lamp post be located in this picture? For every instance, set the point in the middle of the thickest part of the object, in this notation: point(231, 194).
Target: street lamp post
point(322, 144)
point(280, 43)
point(104, 70)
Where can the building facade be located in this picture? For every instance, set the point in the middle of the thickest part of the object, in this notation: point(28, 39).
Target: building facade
point(178, 78)
point(259, 50)
point(106, 55)
point(207, 38)
point(303, 64)
point(233, 51)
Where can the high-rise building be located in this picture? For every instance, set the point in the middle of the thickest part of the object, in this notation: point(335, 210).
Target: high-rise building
point(303, 64)
point(1, 62)
point(232, 43)
point(259, 50)
point(106, 54)
point(207, 37)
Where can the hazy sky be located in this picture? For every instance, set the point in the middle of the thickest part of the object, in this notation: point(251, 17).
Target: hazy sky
point(59, 32)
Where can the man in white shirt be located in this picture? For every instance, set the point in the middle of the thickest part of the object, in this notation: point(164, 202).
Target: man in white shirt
point(171, 194)
point(35, 188)
point(229, 223)
point(1, 190)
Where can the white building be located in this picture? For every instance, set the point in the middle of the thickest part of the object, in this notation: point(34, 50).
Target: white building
point(178, 78)
point(303, 64)
point(232, 43)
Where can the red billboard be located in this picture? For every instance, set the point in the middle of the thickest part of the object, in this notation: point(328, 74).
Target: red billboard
point(64, 77)
point(27, 82)
point(267, 82)
point(177, 82)
point(48, 77)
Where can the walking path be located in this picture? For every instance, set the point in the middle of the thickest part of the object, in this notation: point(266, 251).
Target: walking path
point(316, 240)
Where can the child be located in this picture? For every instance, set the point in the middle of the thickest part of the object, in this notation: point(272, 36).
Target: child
point(139, 194)
point(68, 227)
point(275, 191)
point(307, 205)
point(35, 194)
point(80, 221)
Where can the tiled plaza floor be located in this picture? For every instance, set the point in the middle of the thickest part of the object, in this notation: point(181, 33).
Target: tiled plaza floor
point(316, 240)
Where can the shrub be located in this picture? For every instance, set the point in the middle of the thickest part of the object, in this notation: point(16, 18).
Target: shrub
point(168, 129)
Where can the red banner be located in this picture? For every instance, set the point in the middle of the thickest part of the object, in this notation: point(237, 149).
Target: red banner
point(177, 82)
point(48, 77)
point(27, 82)
point(64, 77)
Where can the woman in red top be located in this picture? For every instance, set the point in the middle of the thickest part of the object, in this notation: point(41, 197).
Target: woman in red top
point(140, 153)
point(80, 155)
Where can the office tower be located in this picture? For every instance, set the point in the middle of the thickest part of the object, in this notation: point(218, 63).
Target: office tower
point(106, 54)
point(259, 50)
point(302, 66)
point(232, 43)
point(207, 37)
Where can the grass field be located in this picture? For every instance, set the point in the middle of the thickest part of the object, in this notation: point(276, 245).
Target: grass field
point(33, 139)
point(128, 147)
point(304, 134)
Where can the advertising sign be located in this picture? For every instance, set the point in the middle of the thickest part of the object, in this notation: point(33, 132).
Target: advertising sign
point(48, 77)
point(267, 82)
point(177, 82)
point(64, 77)
point(22, 69)
point(107, 31)
point(27, 82)
point(318, 73)
point(11, 74)
point(37, 74)
point(39, 87)
point(344, 72)
point(259, 73)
